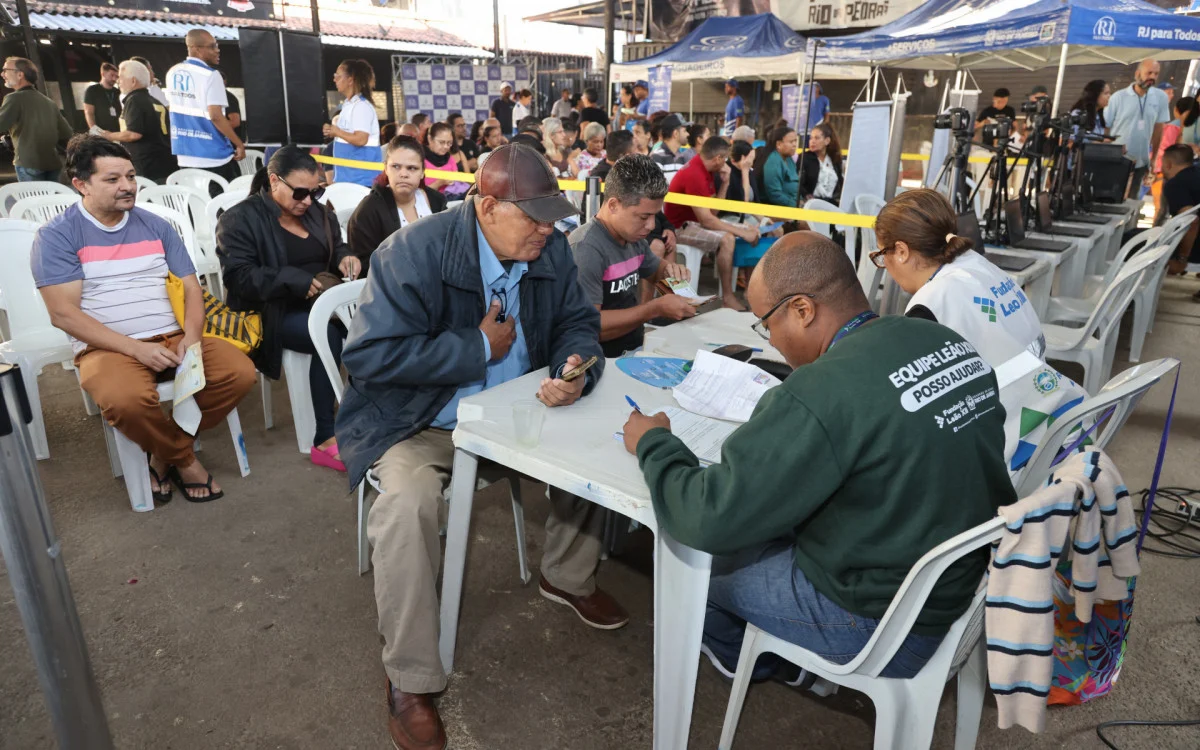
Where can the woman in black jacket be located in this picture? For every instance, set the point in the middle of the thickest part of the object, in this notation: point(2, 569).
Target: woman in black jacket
point(821, 166)
point(398, 198)
point(279, 249)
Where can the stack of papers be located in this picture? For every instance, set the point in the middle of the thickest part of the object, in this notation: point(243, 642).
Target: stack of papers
point(723, 388)
point(701, 435)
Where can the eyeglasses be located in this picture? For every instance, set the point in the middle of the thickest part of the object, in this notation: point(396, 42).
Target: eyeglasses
point(299, 193)
point(760, 326)
point(8, 70)
point(876, 257)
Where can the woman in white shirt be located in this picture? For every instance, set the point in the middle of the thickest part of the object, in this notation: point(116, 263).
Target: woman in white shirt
point(356, 131)
point(949, 282)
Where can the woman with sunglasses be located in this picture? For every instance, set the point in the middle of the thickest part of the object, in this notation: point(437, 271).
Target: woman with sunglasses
point(949, 282)
point(279, 249)
point(397, 199)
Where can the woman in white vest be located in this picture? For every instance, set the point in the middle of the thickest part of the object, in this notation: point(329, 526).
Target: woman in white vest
point(949, 282)
point(953, 285)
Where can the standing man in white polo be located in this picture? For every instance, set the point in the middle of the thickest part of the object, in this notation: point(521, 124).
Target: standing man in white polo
point(201, 135)
point(1135, 117)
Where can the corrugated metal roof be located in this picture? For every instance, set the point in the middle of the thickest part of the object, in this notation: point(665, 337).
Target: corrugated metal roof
point(416, 48)
point(123, 26)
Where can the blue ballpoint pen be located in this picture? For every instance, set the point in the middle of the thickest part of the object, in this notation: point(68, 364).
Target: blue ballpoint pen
point(633, 403)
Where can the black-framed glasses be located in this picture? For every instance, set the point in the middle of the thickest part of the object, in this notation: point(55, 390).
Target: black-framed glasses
point(876, 257)
point(760, 326)
point(300, 193)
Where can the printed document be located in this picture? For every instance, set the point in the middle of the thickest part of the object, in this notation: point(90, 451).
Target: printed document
point(189, 380)
point(703, 436)
point(723, 388)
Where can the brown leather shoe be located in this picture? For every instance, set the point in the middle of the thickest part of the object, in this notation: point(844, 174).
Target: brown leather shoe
point(413, 721)
point(599, 610)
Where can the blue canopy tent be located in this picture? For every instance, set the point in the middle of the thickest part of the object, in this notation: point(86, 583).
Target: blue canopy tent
point(753, 47)
point(1028, 34)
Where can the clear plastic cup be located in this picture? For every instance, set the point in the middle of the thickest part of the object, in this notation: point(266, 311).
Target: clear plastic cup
point(528, 416)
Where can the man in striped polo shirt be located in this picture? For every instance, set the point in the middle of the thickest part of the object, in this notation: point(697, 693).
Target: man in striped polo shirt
point(102, 269)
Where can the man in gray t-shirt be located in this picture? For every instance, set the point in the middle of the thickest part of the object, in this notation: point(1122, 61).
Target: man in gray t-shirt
point(613, 255)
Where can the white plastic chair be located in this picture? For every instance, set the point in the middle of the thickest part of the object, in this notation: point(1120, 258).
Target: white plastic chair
point(295, 371)
point(42, 208)
point(345, 196)
point(1094, 344)
point(144, 183)
point(870, 276)
point(182, 226)
point(192, 204)
point(1145, 299)
point(35, 342)
point(343, 217)
point(817, 204)
point(252, 163)
point(241, 184)
point(130, 460)
point(693, 257)
point(342, 301)
point(1123, 392)
point(13, 192)
point(199, 179)
point(905, 709)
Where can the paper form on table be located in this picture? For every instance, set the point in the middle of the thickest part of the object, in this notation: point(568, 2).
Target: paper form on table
point(723, 388)
point(702, 436)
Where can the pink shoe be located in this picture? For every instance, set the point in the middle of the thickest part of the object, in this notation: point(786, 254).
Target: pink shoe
point(327, 457)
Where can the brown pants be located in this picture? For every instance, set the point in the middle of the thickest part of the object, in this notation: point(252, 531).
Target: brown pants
point(127, 394)
point(402, 527)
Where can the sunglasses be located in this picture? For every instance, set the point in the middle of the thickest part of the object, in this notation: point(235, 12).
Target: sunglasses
point(760, 326)
point(299, 193)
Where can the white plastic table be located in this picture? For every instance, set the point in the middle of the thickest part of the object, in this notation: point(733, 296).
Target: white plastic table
point(578, 454)
point(707, 331)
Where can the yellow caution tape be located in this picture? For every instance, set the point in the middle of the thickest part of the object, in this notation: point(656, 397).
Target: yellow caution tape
point(715, 204)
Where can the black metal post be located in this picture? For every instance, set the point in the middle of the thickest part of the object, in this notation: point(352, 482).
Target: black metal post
point(316, 18)
point(31, 50)
point(609, 30)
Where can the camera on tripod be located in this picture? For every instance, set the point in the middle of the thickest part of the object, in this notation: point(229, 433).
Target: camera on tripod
point(956, 119)
point(1000, 130)
point(1039, 107)
point(1070, 120)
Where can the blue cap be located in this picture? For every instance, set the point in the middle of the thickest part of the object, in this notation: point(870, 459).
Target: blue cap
point(643, 84)
point(732, 82)
point(1166, 85)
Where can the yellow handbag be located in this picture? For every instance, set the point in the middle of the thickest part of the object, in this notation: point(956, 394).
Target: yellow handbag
point(243, 330)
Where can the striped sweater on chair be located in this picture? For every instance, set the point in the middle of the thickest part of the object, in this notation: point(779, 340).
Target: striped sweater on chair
point(1086, 506)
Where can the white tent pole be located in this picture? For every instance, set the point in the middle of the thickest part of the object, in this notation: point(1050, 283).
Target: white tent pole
point(690, 87)
point(1058, 84)
point(799, 104)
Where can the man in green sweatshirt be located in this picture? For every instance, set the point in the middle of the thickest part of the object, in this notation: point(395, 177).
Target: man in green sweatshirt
point(885, 441)
point(36, 125)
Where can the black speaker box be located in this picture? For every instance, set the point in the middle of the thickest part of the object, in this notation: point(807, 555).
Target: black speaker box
point(285, 87)
point(1106, 169)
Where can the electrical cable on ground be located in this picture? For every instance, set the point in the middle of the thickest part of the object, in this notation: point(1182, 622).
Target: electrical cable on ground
point(1175, 532)
point(1138, 723)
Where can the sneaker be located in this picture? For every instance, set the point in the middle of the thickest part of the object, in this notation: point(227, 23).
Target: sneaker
point(763, 671)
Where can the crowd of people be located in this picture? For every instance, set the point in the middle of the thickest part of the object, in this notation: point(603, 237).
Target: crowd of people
point(464, 297)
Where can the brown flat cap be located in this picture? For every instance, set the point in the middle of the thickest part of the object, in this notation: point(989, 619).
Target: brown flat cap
point(518, 174)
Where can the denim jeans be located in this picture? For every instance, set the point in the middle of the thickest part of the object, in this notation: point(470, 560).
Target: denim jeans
point(762, 585)
point(295, 337)
point(24, 174)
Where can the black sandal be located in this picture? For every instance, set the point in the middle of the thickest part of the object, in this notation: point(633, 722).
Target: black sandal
point(162, 497)
point(185, 486)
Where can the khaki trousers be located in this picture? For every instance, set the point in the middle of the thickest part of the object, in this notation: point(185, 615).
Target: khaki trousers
point(403, 528)
point(127, 393)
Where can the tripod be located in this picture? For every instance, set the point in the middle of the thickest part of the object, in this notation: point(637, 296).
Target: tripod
point(997, 169)
point(953, 173)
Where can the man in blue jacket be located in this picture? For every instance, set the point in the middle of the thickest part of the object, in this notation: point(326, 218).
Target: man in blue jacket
point(458, 302)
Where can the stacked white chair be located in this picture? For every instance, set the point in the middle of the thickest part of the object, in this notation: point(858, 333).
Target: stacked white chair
point(182, 225)
point(42, 208)
point(241, 184)
point(144, 183)
point(1145, 300)
point(1122, 394)
point(905, 709)
point(35, 342)
point(13, 192)
point(342, 301)
point(129, 461)
point(199, 179)
point(1094, 344)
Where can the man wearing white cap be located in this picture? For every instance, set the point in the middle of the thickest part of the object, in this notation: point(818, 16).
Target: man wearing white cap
point(502, 109)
